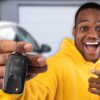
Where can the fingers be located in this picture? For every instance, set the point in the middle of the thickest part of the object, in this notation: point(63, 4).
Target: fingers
point(96, 72)
point(94, 80)
point(37, 60)
point(35, 69)
point(7, 46)
point(37, 65)
point(41, 60)
point(1, 83)
point(10, 46)
point(23, 47)
point(94, 91)
point(3, 58)
point(94, 85)
point(2, 68)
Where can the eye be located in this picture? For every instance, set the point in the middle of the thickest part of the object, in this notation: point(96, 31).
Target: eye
point(84, 28)
point(97, 28)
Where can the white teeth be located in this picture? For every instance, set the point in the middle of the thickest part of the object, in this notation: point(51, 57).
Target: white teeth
point(91, 43)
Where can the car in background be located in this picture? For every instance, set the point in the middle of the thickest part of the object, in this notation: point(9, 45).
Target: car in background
point(13, 31)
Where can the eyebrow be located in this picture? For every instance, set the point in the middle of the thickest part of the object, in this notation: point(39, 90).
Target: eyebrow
point(82, 21)
point(87, 21)
point(98, 21)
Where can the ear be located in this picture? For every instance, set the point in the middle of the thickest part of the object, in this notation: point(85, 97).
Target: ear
point(74, 31)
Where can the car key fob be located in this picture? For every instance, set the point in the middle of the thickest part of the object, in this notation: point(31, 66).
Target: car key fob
point(15, 73)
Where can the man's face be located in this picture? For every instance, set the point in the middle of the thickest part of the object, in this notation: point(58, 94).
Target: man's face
point(87, 34)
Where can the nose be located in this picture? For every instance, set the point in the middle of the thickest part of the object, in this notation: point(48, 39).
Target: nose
point(92, 33)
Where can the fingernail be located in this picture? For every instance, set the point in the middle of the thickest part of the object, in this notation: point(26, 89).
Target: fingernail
point(93, 70)
point(28, 47)
point(41, 60)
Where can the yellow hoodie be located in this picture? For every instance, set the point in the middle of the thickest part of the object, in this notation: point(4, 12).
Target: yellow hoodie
point(66, 78)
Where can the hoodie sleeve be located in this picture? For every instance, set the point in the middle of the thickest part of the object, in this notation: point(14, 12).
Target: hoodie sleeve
point(5, 96)
point(41, 87)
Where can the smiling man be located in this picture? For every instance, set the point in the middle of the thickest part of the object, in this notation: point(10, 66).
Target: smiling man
point(72, 73)
point(87, 33)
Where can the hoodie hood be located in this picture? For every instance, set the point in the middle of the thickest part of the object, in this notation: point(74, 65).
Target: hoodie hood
point(68, 48)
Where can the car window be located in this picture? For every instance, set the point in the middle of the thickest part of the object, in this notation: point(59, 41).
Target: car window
point(23, 35)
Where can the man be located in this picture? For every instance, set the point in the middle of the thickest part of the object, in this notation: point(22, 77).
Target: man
point(73, 73)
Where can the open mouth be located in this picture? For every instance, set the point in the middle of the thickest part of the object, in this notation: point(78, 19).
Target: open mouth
point(91, 47)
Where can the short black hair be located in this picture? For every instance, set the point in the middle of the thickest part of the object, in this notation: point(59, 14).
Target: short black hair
point(88, 5)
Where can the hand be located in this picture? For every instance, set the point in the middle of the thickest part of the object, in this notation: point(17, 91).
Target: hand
point(7, 47)
point(37, 64)
point(94, 83)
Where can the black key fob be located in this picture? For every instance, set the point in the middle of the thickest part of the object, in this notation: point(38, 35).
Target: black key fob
point(15, 73)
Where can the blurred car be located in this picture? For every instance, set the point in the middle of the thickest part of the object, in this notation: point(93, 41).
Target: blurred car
point(13, 31)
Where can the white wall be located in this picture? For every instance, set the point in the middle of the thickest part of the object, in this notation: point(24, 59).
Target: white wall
point(48, 24)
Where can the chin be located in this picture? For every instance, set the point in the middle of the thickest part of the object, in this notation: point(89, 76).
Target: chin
point(91, 58)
